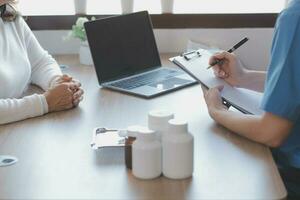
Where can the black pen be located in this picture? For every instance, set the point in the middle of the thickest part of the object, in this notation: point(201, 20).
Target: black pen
point(235, 47)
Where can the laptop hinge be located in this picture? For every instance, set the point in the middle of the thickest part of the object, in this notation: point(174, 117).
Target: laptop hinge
point(129, 76)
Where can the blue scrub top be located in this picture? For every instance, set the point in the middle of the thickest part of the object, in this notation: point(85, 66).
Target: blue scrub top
point(282, 90)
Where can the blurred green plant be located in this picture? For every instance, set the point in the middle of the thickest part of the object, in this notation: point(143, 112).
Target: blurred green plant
point(78, 30)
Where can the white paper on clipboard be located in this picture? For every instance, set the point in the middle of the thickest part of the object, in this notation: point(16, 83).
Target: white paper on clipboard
point(247, 101)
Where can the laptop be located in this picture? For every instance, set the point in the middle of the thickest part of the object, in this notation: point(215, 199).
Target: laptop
point(126, 57)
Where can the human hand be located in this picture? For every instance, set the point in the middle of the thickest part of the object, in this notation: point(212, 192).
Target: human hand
point(77, 96)
point(231, 70)
point(75, 86)
point(61, 97)
point(66, 79)
point(213, 100)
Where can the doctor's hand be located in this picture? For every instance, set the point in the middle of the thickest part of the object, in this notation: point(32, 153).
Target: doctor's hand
point(213, 100)
point(62, 97)
point(231, 70)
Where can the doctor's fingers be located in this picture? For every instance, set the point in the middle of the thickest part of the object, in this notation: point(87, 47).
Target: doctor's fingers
point(219, 72)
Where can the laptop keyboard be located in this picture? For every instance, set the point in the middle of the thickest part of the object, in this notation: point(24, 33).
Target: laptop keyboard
point(146, 79)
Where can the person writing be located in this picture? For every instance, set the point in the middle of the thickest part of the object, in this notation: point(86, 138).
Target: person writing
point(279, 126)
point(24, 61)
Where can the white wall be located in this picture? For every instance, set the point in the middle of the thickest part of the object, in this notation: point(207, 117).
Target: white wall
point(255, 53)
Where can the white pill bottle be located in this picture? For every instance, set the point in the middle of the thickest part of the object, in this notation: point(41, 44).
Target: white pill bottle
point(178, 151)
point(158, 122)
point(146, 155)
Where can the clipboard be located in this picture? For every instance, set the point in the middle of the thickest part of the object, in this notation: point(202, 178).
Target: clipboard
point(195, 64)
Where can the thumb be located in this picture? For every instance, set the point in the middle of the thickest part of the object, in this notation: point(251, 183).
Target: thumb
point(66, 77)
point(220, 55)
point(220, 88)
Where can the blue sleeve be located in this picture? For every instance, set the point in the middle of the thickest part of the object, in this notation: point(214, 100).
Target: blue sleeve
point(282, 90)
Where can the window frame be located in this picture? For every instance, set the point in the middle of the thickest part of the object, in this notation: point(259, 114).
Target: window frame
point(167, 21)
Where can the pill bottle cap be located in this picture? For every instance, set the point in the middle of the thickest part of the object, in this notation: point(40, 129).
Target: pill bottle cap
point(132, 131)
point(178, 126)
point(159, 117)
point(146, 135)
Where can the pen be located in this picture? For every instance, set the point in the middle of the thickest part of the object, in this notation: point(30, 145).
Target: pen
point(235, 47)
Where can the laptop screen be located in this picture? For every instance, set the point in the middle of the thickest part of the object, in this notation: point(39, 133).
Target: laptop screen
point(122, 46)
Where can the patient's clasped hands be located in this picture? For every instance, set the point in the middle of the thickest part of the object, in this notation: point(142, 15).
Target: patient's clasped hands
point(64, 93)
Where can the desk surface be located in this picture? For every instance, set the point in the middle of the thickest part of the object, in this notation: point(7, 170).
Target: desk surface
point(56, 161)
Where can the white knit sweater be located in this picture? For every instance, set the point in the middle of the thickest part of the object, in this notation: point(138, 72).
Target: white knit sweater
point(22, 61)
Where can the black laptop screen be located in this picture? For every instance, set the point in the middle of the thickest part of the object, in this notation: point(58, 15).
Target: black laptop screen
point(122, 45)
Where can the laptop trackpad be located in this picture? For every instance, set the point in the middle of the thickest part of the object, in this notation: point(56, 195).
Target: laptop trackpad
point(161, 86)
point(169, 83)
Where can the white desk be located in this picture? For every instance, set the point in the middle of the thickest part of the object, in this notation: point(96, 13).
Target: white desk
point(56, 161)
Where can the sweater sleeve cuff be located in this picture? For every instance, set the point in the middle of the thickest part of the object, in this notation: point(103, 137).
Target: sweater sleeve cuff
point(50, 76)
point(44, 104)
